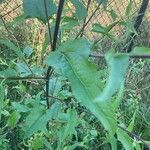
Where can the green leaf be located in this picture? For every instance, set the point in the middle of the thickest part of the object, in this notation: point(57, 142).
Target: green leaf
point(23, 69)
point(103, 2)
point(37, 70)
point(69, 128)
point(124, 138)
point(71, 60)
point(36, 9)
point(8, 73)
point(98, 28)
point(19, 107)
point(13, 119)
point(113, 14)
point(81, 11)
point(141, 51)
point(129, 8)
point(113, 141)
point(118, 64)
point(28, 51)
point(38, 118)
point(69, 23)
point(131, 125)
point(13, 47)
point(104, 30)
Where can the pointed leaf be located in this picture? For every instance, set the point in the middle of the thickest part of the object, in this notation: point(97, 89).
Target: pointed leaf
point(118, 65)
point(38, 118)
point(71, 59)
point(19, 107)
point(124, 138)
point(13, 47)
point(141, 51)
point(8, 73)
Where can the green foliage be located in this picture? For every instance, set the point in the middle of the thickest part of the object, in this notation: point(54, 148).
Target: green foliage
point(86, 108)
point(118, 65)
point(13, 119)
point(141, 51)
point(2, 95)
point(81, 11)
point(13, 47)
point(36, 9)
point(85, 89)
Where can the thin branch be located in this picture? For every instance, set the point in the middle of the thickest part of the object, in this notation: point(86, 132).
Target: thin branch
point(130, 55)
point(85, 24)
point(22, 78)
point(88, 4)
point(137, 24)
point(57, 98)
point(48, 24)
point(50, 71)
point(133, 135)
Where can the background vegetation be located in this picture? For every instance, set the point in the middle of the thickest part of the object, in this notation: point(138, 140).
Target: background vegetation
point(73, 120)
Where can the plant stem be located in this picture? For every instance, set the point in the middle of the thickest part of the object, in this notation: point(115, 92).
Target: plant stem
point(49, 70)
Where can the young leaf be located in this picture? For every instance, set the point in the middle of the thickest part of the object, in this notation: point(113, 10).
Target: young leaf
point(118, 64)
point(81, 11)
point(36, 9)
point(13, 119)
